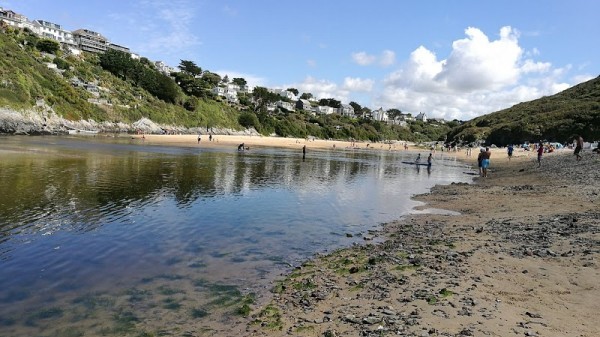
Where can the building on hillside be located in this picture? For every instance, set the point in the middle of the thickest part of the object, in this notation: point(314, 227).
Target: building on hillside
point(421, 117)
point(230, 95)
point(164, 68)
point(53, 31)
point(437, 120)
point(380, 115)
point(90, 41)
point(14, 19)
point(346, 110)
point(114, 46)
point(286, 105)
point(325, 110)
point(284, 93)
point(304, 104)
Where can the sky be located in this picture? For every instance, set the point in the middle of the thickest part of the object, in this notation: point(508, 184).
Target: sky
point(449, 59)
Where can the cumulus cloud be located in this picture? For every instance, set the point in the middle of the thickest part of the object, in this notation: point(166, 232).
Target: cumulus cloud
point(363, 58)
point(321, 88)
point(387, 58)
point(358, 84)
point(479, 76)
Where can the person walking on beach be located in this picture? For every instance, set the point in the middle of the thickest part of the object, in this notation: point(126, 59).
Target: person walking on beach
point(510, 150)
point(578, 146)
point(429, 159)
point(540, 152)
point(304, 152)
point(479, 161)
point(418, 159)
point(199, 138)
point(485, 161)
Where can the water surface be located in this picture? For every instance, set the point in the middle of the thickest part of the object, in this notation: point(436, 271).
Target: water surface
point(106, 236)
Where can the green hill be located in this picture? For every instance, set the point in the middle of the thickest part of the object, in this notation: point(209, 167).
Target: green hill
point(26, 78)
point(113, 87)
point(555, 118)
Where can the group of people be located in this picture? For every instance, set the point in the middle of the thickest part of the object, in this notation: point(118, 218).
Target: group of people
point(429, 159)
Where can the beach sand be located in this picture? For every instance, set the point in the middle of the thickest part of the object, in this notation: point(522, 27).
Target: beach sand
point(520, 259)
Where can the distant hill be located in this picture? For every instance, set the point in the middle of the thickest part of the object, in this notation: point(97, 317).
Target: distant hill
point(553, 118)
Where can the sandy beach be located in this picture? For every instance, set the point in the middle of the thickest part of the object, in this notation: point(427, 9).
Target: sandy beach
point(521, 259)
point(260, 141)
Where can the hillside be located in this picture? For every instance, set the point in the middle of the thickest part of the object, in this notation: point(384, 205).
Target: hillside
point(555, 118)
point(113, 91)
point(26, 79)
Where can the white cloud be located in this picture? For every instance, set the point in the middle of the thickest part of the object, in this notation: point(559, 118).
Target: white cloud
point(166, 27)
point(321, 89)
point(363, 58)
point(386, 59)
point(311, 63)
point(358, 84)
point(477, 63)
point(479, 76)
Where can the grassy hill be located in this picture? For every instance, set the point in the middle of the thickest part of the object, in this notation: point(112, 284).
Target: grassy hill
point(554, 118)
point(128, 90)
point(26, 77)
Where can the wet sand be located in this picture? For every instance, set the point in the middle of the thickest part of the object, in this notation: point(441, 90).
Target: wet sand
point(521, 259)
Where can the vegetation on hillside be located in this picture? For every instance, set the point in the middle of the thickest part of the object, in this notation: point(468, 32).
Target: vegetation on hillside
point(555, 118)
point(127, 90)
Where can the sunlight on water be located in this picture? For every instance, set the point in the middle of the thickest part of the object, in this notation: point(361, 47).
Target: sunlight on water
point(91, 229)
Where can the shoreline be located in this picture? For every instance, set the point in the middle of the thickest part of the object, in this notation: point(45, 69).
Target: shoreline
point(520, 259)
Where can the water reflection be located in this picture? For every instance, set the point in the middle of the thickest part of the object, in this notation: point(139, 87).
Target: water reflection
point(107, 216)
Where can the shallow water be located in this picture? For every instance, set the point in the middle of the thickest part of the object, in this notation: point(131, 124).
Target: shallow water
point(106, 236)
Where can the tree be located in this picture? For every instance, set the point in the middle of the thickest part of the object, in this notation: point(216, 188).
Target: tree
point(306, 95)
point(190, 68)
point(226, 79)
point(248, 119)
point(357, 108)
point(47, 46)
point(118, 63)
point(294, 90)
point(239, 81)
point(330, 102)
point(394, 113)
point(211, 78)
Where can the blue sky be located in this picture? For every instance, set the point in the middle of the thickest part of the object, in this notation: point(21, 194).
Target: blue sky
point(449, 59)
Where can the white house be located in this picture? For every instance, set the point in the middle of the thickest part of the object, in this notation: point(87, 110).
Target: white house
point(421, 117)
point(15, 19)
point(325, 110)
point(230, 95)
point(380, 115)
point(346, 110)
point(304, 104)
point(53, 31)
